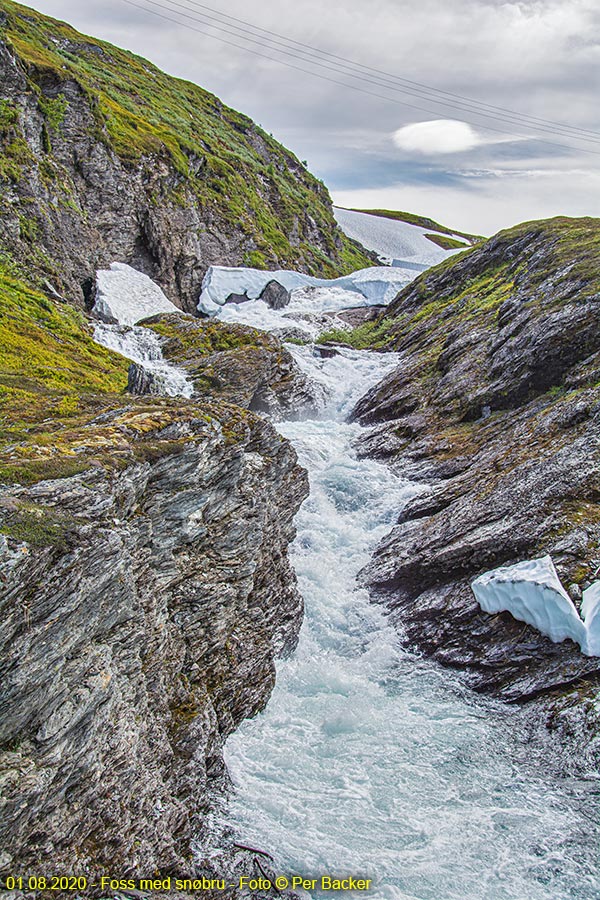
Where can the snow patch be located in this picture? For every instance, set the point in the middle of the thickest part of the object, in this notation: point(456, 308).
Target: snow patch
point(379, 284)
point(126, 296)
point(531, 592)
point(392, 239)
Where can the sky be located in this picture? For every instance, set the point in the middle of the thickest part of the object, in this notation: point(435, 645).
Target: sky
point(380, 142)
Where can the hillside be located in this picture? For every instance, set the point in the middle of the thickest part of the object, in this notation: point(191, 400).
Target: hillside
point(104, 157)
point(421, 222)
point(495, 406)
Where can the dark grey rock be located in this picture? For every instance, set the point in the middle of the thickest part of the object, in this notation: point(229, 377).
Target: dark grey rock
point(275, 295)
point(483, 408)
point(237, 298)
point(325, 351)
point(140, 380)
point(358, 315)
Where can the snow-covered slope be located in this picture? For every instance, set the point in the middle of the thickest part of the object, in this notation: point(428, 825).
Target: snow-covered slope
point(390, 238)
point(531, 592)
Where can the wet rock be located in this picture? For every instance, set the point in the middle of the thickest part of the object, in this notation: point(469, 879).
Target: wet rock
point(140, 380)
point(575, 592)
point(275, 295)
point(237, 298)
point(292, 334)
point(479, 409)
point(358, 315)
point(325, 351)
point(242, 365)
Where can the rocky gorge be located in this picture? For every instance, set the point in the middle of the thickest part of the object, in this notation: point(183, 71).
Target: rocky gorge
point(142, 610)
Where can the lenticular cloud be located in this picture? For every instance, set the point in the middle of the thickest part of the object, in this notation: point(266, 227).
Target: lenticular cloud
point(437, 136)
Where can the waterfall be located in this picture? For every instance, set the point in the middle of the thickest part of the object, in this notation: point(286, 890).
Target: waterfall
point(142, 346)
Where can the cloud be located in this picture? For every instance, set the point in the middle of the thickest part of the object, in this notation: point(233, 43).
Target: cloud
point(537, 56)
point(440, 136)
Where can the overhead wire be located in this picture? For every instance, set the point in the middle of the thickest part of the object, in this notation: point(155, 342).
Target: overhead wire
point(344, 84)
point(384, 79)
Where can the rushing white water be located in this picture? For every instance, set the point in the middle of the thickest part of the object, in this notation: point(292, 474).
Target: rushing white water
point(142, 346)
point(370, 761)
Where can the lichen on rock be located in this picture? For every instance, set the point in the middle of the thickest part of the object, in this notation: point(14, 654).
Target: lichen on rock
point(143, 603)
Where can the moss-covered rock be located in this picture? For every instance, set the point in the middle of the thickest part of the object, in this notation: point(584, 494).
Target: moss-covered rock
point(496, 406)
point(237, 363)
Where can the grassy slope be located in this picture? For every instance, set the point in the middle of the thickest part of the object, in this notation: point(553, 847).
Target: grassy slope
point(51, 374)
point(140, 111)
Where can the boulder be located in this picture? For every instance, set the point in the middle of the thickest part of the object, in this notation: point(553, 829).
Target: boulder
point(275, 295)
point(237, 298)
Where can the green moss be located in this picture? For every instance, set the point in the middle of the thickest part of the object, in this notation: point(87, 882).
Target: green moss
point(187, 338)
point(9, 116)
point(255, 260)
point(368, 336)
point(49, 363)
point(29, 229)
point(38, 527)
point(54, 110)
point(445, 242)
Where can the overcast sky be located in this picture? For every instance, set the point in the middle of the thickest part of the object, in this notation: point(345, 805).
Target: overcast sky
point(537, 57)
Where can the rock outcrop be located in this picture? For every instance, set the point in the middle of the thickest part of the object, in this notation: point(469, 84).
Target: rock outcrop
point(232, 362)
point(105, 158)
point(143, 602)
point(496, 407)
point(275, 295)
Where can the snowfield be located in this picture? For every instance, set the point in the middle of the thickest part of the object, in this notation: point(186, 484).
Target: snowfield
point(379, 284)
point(392, 239)
point(531, 592)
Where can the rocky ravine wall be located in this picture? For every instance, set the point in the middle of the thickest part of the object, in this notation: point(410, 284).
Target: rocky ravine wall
point(142, 604)
point(496, 407)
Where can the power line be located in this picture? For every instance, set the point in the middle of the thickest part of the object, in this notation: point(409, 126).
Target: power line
point(326, 78)
point(360, 68)
point(377, 82)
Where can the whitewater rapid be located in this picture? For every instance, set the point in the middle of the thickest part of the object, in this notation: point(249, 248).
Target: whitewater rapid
point(369, 761)
point(142, 346)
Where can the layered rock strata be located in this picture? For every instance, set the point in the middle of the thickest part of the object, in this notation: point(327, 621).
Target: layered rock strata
point(143, 604)
point(495, 406)
point(232, 362)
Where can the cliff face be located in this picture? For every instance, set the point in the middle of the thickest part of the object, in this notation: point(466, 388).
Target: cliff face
point(142, 602)
point(103, 157)
point(496, 405)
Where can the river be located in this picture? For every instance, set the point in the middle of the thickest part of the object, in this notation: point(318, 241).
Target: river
point(371, 761)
